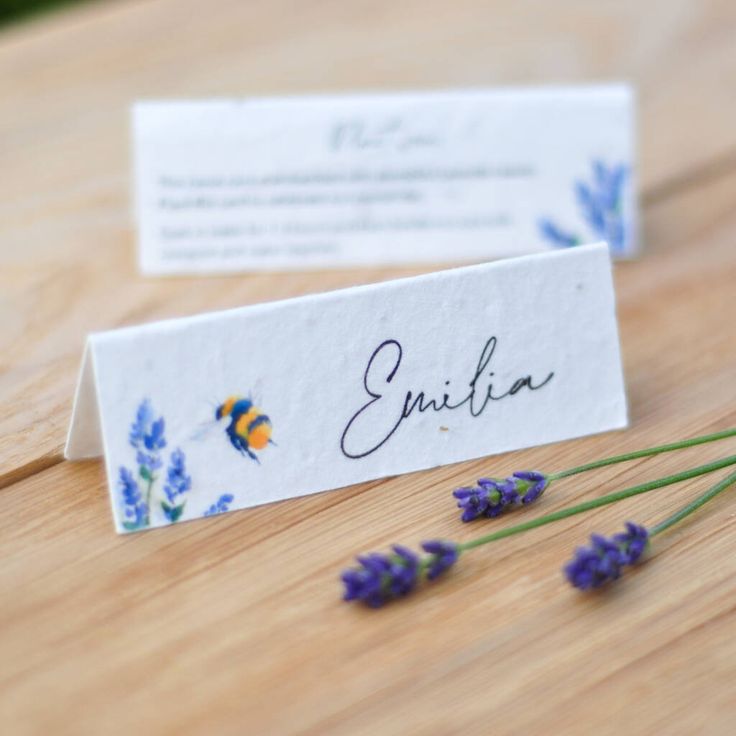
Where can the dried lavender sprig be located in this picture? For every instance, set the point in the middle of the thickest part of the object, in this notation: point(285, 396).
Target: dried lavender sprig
point(492, 496)
point(603, 561)
point(600, 501)
point(380, 578)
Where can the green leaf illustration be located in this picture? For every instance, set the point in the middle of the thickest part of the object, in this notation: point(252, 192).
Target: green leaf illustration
point(131, 526)
point(172, 512)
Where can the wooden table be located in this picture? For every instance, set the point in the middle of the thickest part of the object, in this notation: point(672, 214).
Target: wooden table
point(234, 624)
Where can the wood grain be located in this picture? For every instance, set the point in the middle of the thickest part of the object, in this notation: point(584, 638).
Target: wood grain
point(234, 625)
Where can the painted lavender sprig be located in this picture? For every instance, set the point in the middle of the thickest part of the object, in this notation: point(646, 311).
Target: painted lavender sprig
point(605, 558)
point(220, 506)
point(137, 490)
point(491, 497)
point(177, 485)
point(146, 436)
point(380, 578)
point(135, 509)
point(600, 202)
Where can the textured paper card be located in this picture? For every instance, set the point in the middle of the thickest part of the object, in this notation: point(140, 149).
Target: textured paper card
point(267, 402)
point(393, 178)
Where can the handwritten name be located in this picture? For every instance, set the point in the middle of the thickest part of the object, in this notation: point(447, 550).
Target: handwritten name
point(387, 408)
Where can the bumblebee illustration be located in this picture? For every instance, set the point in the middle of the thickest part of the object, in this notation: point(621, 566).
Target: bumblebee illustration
point(249, 428)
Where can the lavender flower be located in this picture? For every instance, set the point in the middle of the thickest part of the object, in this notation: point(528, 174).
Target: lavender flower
point(220, 506)
point(632, 542)
point(381, 578)
point(141, 423)
point(491, 497)
point(177, 484)
point(600, 203)
point(135, 508)
point(603, 560)
point(556, 235)
point(482, 500)
point(530, 485)
point(147, 438)
point(443, 555)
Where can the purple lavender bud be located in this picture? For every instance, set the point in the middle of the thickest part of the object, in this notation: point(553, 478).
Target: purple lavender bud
point(364, 583)
point(444, 556)
point(473, 501)
point(603, 560)
point(380, 578)
point(491, 497)
point(404, 571)
point(509, 492)
point(610, 557)
point(534, 483)
point(632, 542)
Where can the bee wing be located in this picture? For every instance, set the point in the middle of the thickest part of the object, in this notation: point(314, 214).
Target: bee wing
point(203, 430)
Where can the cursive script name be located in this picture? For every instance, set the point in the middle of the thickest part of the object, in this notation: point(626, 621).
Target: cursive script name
point(388, 408)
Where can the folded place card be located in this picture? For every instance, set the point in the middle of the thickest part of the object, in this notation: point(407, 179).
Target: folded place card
point(386, 178)
point(232, 409)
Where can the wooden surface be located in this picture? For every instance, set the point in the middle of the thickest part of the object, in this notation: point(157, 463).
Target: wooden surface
point(234, 624)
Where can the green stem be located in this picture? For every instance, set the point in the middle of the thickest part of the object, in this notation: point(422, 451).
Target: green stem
point(644, 453)
point(596, 502)
point(694, 505)
point(148, 500)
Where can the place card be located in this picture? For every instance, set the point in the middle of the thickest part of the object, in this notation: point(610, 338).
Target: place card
point(243, 407)
point(336, 181)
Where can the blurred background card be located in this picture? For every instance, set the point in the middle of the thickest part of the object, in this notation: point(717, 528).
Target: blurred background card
point(332, 181)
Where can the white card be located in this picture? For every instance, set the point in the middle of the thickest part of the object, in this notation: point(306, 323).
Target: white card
point(334, 181)
point(328, 390)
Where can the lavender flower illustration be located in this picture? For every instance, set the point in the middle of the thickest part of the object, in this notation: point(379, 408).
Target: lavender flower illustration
point(177, 484)
point(601, 206)
point(220, 506)
point(147, 437)
point(135, 508)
